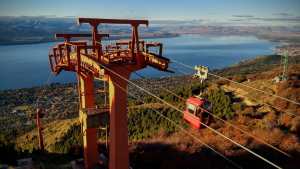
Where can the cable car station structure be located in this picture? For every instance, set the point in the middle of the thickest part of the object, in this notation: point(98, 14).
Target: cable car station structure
point(89, 60)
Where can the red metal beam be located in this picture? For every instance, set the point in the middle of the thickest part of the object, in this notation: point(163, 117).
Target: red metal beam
point(96, 21)
point(71, 35)
point(79, 35)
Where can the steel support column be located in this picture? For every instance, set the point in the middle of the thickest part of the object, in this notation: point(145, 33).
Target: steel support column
point(39, 127)
point(118, 147)
point(86, 93)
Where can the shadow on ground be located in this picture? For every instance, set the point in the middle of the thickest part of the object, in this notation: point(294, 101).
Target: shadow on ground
point(162, 156)
point(166, 156)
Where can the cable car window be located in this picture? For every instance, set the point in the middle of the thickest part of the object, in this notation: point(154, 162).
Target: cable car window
point(191, 108)
point(207, 106)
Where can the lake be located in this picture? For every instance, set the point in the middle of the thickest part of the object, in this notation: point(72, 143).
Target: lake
point(27, 65)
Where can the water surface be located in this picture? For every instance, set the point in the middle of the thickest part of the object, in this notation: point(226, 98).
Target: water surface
point(28, 65)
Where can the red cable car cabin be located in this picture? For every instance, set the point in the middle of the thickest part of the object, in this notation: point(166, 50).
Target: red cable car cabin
point(194, 113)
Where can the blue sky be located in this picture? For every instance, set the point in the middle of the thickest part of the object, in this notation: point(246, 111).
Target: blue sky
point(213, 10)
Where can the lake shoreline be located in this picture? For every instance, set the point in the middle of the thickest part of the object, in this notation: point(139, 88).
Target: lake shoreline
point(137, 79)
point(107, 39)
point(31, 65)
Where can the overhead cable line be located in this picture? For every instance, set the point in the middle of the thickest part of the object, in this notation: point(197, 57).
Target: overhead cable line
point(228, 123)
point(174, 107)
point(250, 87)
point(184, 130)
point(263, 102)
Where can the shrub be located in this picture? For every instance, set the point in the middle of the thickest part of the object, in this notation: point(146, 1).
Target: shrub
point(240, 78)
point(221, 103)
point(248, 111)
point(72, 138)
point(222, 82)
point(270, 120)
point(295, 125)
point(9, 154)
point(237, 107)
point(145, 123)
point(285, 120)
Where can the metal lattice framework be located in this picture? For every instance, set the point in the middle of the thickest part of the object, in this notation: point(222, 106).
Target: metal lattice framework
point(88, 61)
point(284, 65)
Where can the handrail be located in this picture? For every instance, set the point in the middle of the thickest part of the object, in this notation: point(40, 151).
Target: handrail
point(76, 43)
point(154, 44)
point(63, 55)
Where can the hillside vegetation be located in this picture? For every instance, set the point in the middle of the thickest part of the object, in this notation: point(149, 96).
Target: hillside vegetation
point(155, 142)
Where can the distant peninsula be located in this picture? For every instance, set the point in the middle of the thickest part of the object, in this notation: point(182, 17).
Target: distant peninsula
point(30, 30)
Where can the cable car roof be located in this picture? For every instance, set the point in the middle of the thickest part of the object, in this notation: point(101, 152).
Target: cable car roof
point(195, 101)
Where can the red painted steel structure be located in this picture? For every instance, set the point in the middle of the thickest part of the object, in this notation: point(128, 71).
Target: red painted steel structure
point(40, 129)
point(122, 57)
